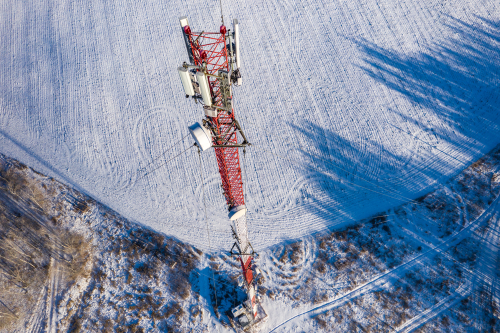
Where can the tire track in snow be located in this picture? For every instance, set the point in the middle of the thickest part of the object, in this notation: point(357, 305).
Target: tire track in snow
point(36, 322)
point(55, 277)
point(299, 271)
point(152, 155)
point(90, 58)
point(398, 271)
point(443, 305)
point(483, 274)
point(287, 202)
point(489, 260)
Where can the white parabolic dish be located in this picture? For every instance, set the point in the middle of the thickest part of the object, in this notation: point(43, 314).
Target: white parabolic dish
point(201, 135)
point(237, 212)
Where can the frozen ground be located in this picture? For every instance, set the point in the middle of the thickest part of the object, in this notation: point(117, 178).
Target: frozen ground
point(430, 265)
point(70, 264)
point(353, 106)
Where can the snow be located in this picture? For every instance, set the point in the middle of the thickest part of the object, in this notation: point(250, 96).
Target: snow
point(430, 263)
point(99, 267)
point(352, 106)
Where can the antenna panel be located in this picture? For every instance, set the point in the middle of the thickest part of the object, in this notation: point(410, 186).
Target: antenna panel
point(186, 81)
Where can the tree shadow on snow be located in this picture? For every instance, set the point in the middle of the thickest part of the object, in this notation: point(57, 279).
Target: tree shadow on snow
point(354, 181)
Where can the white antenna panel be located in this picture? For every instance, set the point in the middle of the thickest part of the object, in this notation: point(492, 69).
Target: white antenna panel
point(237, 53)
point(204, 88)
point(236, 27)
point(186, 81)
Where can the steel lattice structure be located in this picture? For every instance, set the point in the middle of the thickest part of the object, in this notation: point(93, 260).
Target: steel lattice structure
point(210, 49)
point(208, 79)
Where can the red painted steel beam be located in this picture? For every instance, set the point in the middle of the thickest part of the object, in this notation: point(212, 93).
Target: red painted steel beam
point(210, 48)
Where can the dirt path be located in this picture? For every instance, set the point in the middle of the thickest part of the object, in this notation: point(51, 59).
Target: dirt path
point(36, 322)
point(44, 315)
point(55, 277)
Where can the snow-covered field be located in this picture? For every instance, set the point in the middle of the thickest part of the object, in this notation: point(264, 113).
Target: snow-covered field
point(68, 263)
point(430, 265)
point(353, 106)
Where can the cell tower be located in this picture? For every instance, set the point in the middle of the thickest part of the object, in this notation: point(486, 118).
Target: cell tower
point(213, 70)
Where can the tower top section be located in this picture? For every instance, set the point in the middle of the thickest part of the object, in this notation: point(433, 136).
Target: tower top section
point(214, 51)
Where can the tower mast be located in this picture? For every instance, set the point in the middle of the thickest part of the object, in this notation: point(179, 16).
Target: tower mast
point(213, 70)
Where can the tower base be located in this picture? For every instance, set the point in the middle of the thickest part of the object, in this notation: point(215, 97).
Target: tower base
point(241, 317)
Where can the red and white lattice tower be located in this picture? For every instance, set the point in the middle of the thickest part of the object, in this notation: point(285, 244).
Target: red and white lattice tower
point(213, 70)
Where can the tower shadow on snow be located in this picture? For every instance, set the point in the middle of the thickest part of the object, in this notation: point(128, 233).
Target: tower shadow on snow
point(458, 80)
point(222, 295)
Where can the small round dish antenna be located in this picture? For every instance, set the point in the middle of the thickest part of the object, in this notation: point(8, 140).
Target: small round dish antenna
point(201, 135)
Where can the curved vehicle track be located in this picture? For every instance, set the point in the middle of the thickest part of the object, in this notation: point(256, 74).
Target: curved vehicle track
point(401, 269)
point(322, 81)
